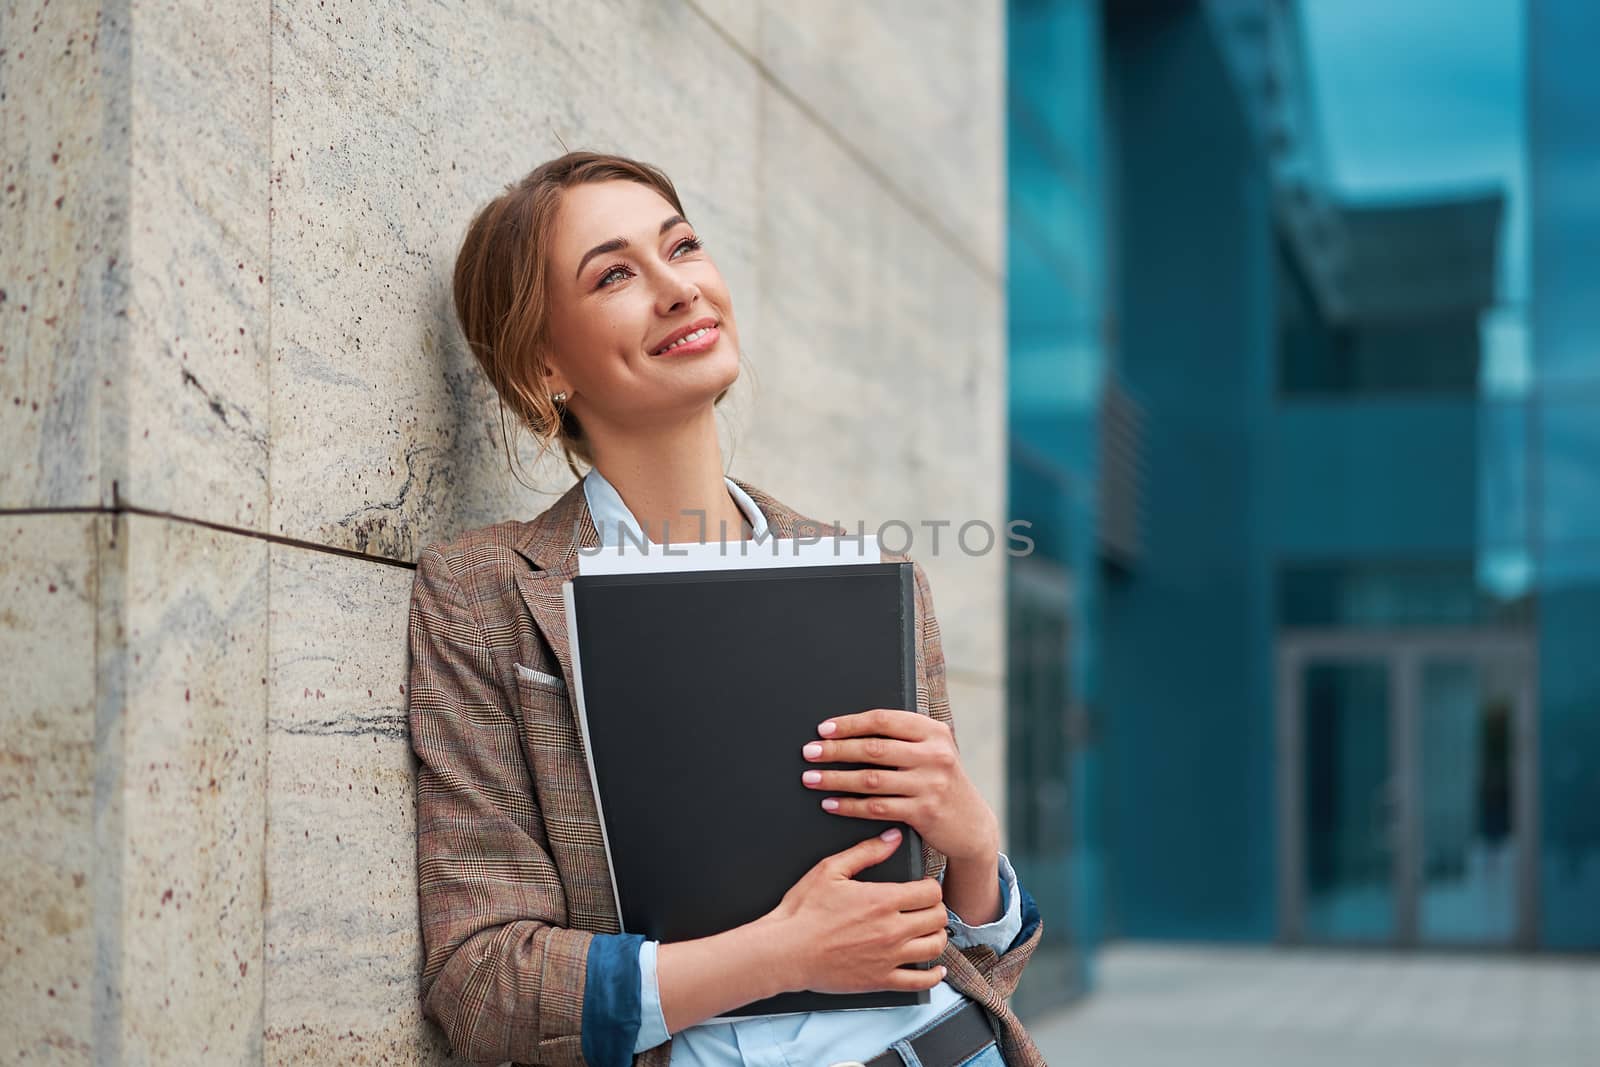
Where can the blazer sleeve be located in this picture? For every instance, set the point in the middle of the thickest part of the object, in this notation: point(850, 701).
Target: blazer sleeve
point(501, 974)
point(1003, 970)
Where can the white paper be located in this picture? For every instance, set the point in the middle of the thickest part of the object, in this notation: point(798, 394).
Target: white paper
point(631, 558)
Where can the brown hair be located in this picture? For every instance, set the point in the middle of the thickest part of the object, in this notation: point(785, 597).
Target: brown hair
point(501, 294)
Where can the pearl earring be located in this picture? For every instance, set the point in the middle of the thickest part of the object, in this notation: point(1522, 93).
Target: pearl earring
point(558, 397)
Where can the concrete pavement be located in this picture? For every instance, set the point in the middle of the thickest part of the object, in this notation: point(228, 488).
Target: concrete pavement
point(1172, 1005)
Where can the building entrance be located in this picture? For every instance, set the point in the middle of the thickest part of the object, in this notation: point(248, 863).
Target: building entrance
point(1406, 787)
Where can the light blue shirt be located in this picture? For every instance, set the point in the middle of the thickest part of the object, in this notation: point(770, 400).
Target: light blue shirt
point(795, 1038)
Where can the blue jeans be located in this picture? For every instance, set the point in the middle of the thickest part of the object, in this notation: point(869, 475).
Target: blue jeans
point(987, 1056)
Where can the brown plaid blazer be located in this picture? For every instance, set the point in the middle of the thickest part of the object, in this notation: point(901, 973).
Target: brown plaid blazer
point(512, 876)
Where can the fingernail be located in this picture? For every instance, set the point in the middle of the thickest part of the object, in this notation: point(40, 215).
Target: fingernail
point(891, 834)
point(827, 728)
point(830, 804)
point(811, 777)
point(813, 750)
point(943, 970)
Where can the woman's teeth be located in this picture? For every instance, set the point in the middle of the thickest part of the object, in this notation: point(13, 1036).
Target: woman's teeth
point(701, 332)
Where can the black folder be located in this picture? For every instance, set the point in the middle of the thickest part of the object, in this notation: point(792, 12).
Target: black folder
point(697, 690)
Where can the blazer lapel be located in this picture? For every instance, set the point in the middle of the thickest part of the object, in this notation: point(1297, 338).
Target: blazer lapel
point(784, 521)
point(551, 544)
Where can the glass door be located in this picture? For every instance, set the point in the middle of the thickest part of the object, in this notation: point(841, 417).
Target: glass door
point(1470, 766)
point(1406, 790)
point(1348, 800)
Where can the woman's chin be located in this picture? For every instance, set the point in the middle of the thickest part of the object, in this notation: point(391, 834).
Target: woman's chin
point(691, 393)
point(711, 371)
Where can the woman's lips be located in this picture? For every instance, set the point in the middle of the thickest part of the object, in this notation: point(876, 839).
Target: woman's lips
point(699, 344)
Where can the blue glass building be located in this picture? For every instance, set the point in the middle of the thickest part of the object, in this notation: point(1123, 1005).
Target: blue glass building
point(1305, 412)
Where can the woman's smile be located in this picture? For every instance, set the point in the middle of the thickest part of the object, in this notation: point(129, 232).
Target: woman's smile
point(697, 337)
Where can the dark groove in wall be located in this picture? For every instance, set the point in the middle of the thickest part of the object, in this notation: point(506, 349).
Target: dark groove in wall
point(277, 539)
point(971, 677)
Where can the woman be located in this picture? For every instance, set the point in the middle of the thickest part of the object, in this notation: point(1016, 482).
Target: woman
point(601, 320)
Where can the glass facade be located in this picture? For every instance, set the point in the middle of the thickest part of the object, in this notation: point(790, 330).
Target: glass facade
point(1057, 319)
point(1563, 412)
point(1325, 602)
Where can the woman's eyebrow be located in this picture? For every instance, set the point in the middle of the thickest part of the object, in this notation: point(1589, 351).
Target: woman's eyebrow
point(616, 244)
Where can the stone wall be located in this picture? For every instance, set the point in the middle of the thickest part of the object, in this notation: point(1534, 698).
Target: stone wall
point(235, 408)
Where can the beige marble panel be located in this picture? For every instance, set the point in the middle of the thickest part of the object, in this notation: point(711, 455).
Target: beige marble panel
point(183, 941)
point(969, 600)
point(135, 309)
point(875, 397)
point(48, 594)
point(343, 953)
point(133, 320)
point(959, 475)
point(739, 20)
point(961, 478)
point(195, 375)
point(915, 90)
point(63, 250)
point(392, 125)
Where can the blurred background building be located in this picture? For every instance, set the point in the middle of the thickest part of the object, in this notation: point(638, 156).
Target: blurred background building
point(1304, 299)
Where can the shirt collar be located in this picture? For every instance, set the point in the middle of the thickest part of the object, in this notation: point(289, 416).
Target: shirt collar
point(611, 515)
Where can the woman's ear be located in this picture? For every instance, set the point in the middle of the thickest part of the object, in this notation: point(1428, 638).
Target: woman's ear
point(554, 381)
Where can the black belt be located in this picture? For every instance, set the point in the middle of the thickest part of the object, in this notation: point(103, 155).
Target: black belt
point(952, 1041)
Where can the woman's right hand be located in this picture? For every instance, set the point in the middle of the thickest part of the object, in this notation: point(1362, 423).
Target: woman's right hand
point(846, 936)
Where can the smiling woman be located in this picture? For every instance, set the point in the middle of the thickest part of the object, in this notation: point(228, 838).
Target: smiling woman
point(603, 323)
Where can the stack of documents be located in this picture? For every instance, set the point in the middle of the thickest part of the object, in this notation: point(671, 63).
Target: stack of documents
point(699, 678)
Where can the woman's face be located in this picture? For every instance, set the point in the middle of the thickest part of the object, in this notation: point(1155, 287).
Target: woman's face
point(627, 277)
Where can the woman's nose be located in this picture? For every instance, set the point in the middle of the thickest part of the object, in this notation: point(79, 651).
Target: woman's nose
point(677, 293)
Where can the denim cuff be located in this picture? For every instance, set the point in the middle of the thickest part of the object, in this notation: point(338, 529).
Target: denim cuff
point(611, 998)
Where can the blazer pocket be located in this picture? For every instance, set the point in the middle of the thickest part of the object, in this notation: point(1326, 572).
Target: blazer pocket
point(553, 743)
point(539, 679)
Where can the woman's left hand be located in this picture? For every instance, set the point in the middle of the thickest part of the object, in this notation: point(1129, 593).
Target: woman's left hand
point(923, 783)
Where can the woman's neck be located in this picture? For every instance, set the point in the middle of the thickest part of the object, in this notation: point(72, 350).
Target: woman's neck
point(671, 480)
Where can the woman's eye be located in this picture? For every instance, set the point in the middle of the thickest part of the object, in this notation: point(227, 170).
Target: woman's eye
point(609, 273)
point(691, 243)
